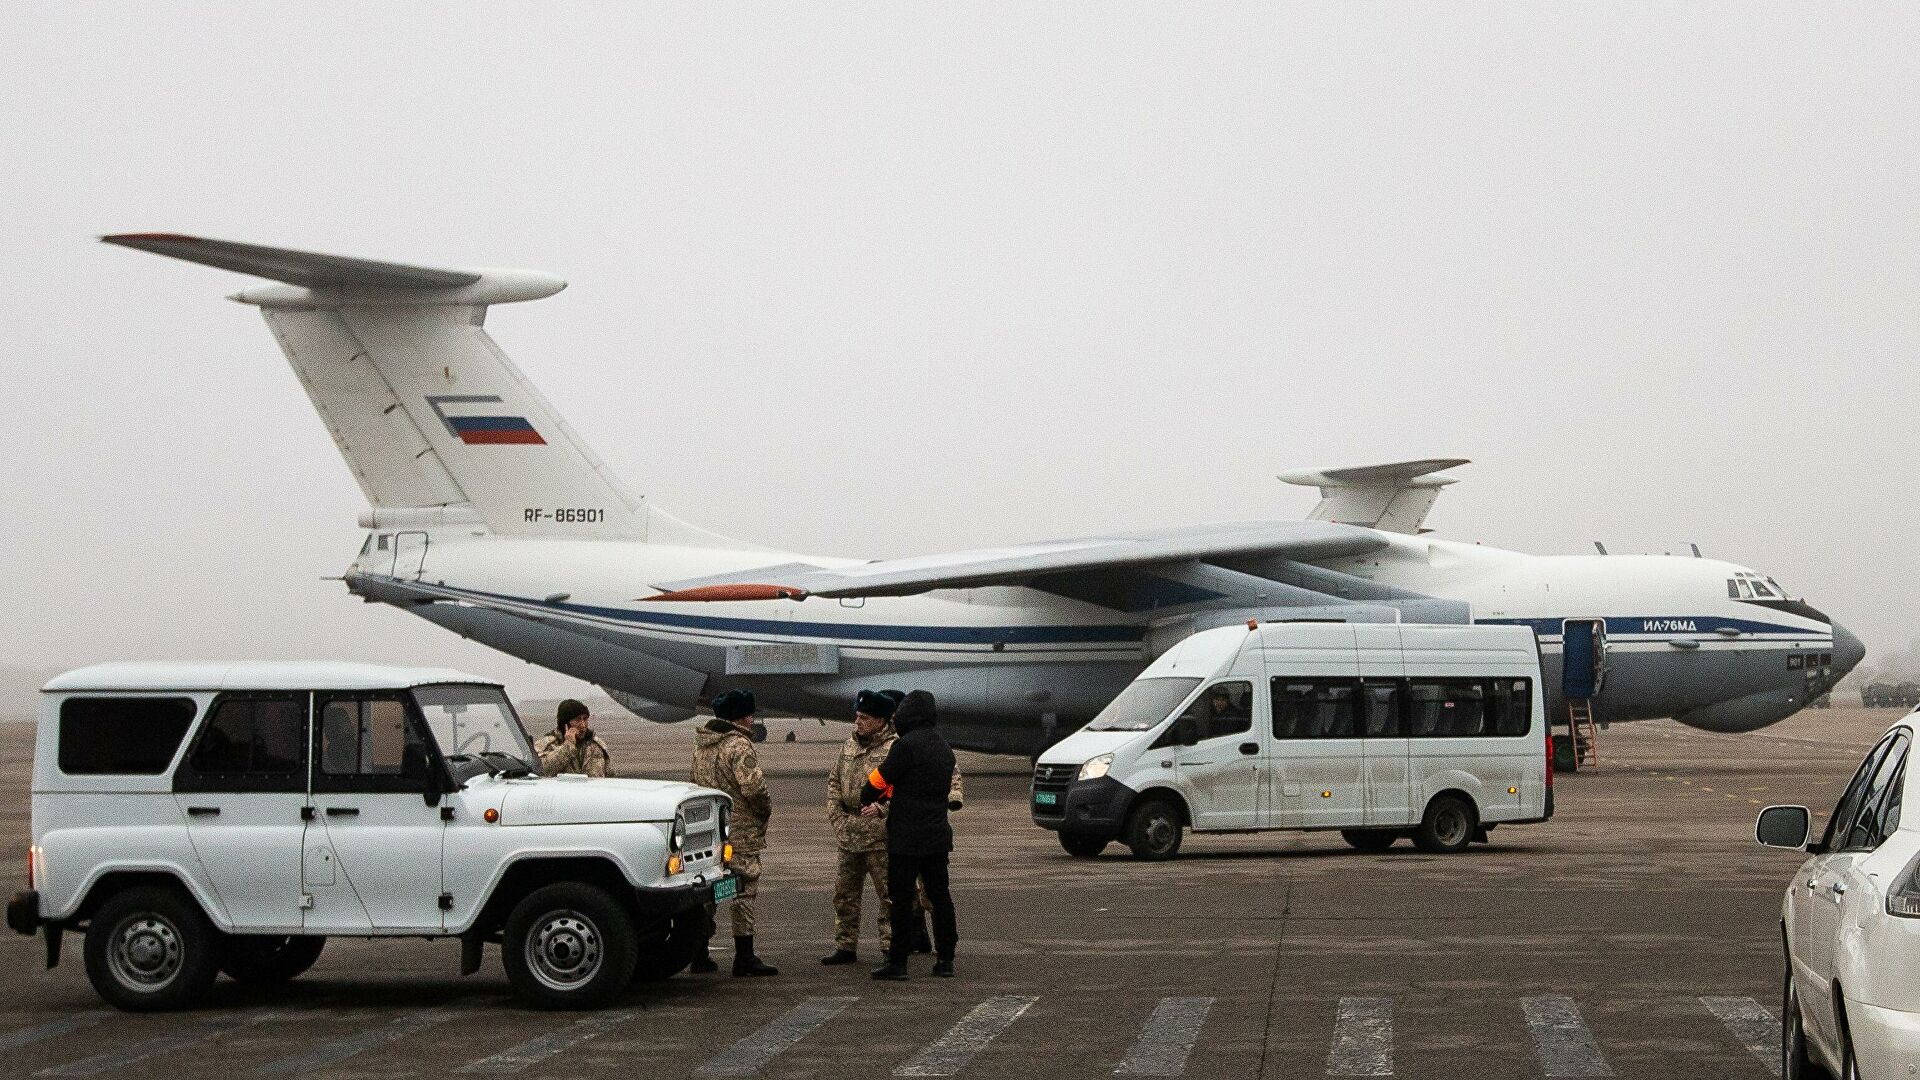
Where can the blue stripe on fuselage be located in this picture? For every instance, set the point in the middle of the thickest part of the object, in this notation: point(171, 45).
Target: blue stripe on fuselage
point(1665, 625)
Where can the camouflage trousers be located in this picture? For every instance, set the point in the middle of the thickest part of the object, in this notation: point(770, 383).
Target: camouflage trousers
point(747, 869)
point(849, 884)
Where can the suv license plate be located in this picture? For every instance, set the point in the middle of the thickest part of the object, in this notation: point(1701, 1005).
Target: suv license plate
point(1045, 798)
point(725, 888)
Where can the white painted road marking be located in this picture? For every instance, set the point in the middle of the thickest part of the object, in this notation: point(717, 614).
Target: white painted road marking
point(1754, 1026)
point(159, 1044)
point(1362, 1038)
point(950, 1052)
point(334, 1051)
point(751, 1054)
point(52, 1029)
point(1167, 1038)
point(1565, 1045)
point(538, 1049)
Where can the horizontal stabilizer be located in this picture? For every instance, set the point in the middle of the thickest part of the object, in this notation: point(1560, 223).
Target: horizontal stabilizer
point(304, 268)
point(1393, 498)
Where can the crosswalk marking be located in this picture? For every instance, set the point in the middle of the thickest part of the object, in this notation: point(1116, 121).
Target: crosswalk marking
point(1561, 1038)
point(950, 1052)
point(751, 1054)
point(1754, 1026)
point(159, 1044)
point(13, 1040)
point(1362, 1038)
point(1167, 1038)
point(334, 1051)
point(538, 1049)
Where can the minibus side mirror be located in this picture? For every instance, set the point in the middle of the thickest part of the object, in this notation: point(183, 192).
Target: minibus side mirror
point(1784, 827)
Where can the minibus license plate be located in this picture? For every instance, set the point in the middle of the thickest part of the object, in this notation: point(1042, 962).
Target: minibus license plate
point(1045, 798)
point(725, 888)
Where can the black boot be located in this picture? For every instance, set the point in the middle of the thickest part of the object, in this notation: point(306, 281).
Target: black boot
point(943, 968)
point(702, 963)
point(745, 963)
point(839, 956)
point(892, 971)
point(922, 940)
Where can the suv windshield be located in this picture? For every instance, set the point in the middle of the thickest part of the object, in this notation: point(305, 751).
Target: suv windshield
point(1144, 703)
point(475, 722)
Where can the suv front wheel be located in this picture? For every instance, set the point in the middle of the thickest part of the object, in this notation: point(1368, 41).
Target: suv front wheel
point(568, 946)
point(151, 949)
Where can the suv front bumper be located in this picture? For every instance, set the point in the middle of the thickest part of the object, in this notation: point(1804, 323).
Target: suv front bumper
point(664, 903)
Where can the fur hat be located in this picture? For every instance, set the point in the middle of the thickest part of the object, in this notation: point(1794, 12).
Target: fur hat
point(734, 705)
point(570, 710)
point(874, 704)
point(894, 696)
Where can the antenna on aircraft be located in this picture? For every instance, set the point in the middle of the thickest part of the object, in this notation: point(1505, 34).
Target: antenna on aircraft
point(1599, 547)
point(1696, 549)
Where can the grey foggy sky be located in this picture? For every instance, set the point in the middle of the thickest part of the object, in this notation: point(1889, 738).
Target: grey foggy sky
point(892, 279)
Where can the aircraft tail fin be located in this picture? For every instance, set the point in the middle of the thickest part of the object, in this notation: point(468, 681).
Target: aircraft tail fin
point(436, 423)
point(1393, 498)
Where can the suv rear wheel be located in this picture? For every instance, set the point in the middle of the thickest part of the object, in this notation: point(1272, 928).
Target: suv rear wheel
point(568, 946)
point(1447, 826)
point(263, 960)
point(151, 949)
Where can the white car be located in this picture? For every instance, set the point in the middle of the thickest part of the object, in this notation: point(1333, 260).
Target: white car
point(191, 819)
point(1851, 922)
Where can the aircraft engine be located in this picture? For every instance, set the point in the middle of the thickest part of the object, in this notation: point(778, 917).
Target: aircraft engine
point(648, 709)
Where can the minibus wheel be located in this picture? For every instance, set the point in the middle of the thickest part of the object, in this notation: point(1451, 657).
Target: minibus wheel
point(1082, 845)
point(1447, 826)
point(1153, 830)
point(151, 949)
point(1371, 840)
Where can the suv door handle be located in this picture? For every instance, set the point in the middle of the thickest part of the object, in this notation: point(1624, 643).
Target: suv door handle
point(343, 811)
point(203, 811)
point(306, 813)
point(1249, 748)
point(1839, 888)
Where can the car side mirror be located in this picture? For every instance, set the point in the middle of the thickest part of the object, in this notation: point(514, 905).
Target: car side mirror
point(1186, 732)
point(1784, 827)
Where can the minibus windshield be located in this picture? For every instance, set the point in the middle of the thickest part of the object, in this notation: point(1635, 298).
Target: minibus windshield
point(1143, 704)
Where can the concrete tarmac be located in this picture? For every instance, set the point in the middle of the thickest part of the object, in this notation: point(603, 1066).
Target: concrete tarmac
point(1634, 935)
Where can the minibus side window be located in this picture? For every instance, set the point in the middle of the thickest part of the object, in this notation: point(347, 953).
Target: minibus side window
point(1225, 709)
point(1446, 708)
point(1511, 703)
point(1316, 708)
point(1381, 704)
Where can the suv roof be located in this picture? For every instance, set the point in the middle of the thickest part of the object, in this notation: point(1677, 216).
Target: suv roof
point(255, 675)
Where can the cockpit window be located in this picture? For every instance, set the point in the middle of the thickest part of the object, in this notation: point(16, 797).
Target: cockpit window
point(1747, 585)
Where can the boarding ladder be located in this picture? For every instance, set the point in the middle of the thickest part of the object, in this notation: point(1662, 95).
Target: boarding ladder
point(1586, 734)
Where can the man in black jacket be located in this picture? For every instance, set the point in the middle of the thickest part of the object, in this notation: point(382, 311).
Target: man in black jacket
point(915, 781)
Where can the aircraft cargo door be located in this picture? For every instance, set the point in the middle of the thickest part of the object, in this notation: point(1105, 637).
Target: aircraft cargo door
point(1583, 658)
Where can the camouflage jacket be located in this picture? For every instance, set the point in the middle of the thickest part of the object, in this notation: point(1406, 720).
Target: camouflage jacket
point(558, 756)
point(724, 759)
point(851, 831)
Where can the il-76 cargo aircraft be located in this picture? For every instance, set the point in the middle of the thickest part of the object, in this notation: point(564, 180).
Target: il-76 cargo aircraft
point(491, 518)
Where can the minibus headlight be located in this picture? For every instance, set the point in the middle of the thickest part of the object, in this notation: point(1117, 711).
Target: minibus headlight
point(1904, 898)
point(1096, 768)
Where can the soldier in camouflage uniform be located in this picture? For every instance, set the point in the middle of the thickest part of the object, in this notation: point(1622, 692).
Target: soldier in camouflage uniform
point(862, 840)
point(572, 747)
point(723, 758)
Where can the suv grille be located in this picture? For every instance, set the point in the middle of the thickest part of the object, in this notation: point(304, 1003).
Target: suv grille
point(702, 843)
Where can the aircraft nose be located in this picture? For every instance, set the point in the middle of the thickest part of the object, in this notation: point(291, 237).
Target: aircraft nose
point(1847, 651)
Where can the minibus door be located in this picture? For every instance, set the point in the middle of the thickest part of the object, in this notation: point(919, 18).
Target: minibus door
point(1385, 776)
point(1220, 772)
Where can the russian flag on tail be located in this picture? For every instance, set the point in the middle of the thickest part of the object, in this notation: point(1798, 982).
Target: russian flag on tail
point(484, 430)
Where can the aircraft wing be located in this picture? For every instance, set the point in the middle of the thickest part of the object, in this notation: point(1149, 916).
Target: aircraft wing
point(1296, 540)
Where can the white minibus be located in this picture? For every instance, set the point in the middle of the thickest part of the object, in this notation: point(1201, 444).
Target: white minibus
point(1379, 730)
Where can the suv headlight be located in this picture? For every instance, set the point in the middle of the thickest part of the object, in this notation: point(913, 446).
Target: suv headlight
point(1095, 768)
point(1904, 898)
point(726, 820)
point(679, 834)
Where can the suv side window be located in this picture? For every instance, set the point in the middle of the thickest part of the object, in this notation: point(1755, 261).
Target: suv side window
point(1849, 805)
point(250, 742)
point(121, 736)
point(368, 742)
point(1870, 829)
